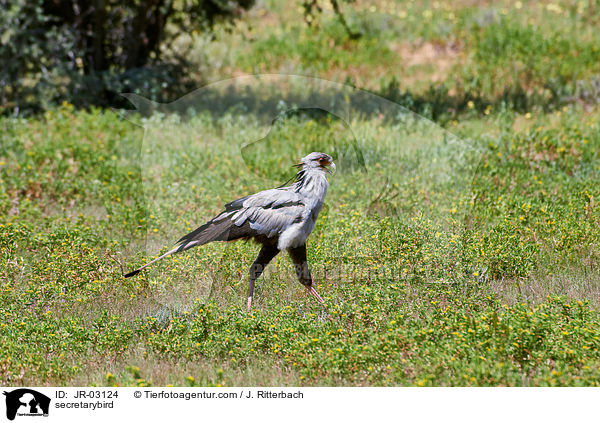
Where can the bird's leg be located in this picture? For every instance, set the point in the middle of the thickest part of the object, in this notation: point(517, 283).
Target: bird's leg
point(266, 254)
point(298, 256)
point(315, 294)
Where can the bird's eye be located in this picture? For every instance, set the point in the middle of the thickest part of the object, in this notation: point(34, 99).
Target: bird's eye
point(323, 161)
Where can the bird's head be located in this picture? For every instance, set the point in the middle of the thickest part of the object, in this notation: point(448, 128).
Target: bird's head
point(318, 161)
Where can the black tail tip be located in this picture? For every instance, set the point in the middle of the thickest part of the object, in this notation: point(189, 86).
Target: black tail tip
point(130, 274)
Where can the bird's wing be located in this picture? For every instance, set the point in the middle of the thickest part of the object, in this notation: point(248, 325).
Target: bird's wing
point(269, 212)
point(266, 213)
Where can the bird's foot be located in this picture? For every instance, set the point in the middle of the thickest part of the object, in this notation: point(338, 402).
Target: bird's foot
point(315, 294)
point(249, 304)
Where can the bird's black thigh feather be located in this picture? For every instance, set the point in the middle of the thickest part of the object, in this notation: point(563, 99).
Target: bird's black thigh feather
point(298, 256)
point(266, 254)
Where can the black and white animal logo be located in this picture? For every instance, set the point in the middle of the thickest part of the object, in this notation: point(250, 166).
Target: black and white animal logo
point(26, 402)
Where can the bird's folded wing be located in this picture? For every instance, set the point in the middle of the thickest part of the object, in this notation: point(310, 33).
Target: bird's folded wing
point(266, 213)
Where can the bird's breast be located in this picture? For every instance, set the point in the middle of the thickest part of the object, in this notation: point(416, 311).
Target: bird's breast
point(295, 235)
point(312, 191)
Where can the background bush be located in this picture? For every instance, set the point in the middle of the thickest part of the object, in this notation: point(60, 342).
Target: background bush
point(87, 52)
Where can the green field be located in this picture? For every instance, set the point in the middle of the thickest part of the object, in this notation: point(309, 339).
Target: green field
point(469, 263)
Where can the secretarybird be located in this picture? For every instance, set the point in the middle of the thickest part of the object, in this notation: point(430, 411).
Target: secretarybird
point(278, 219)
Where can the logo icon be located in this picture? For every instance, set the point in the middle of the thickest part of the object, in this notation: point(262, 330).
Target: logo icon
point(26, 402)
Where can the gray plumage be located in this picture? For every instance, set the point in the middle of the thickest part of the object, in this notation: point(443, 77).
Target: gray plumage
point(279, 219)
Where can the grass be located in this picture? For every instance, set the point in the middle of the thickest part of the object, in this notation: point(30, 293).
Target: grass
point(438, 268)
point(416, 294)
point(506, 54)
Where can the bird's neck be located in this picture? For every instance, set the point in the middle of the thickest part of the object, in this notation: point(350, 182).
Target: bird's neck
point(312, 183)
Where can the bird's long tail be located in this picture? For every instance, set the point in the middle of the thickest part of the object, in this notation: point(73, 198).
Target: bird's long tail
point(182, 247)
point(217, 229)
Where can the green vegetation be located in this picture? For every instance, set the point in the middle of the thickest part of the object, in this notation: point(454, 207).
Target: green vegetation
point(486, 276)
point(89, 52)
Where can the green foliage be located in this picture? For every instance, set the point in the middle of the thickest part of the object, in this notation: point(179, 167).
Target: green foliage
point(535, 67)
point(425, 284)
point(316, 50)
point(442, 60)
point(32, 57)
point(409, 302)
point(528, 50)
point(88, 53)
